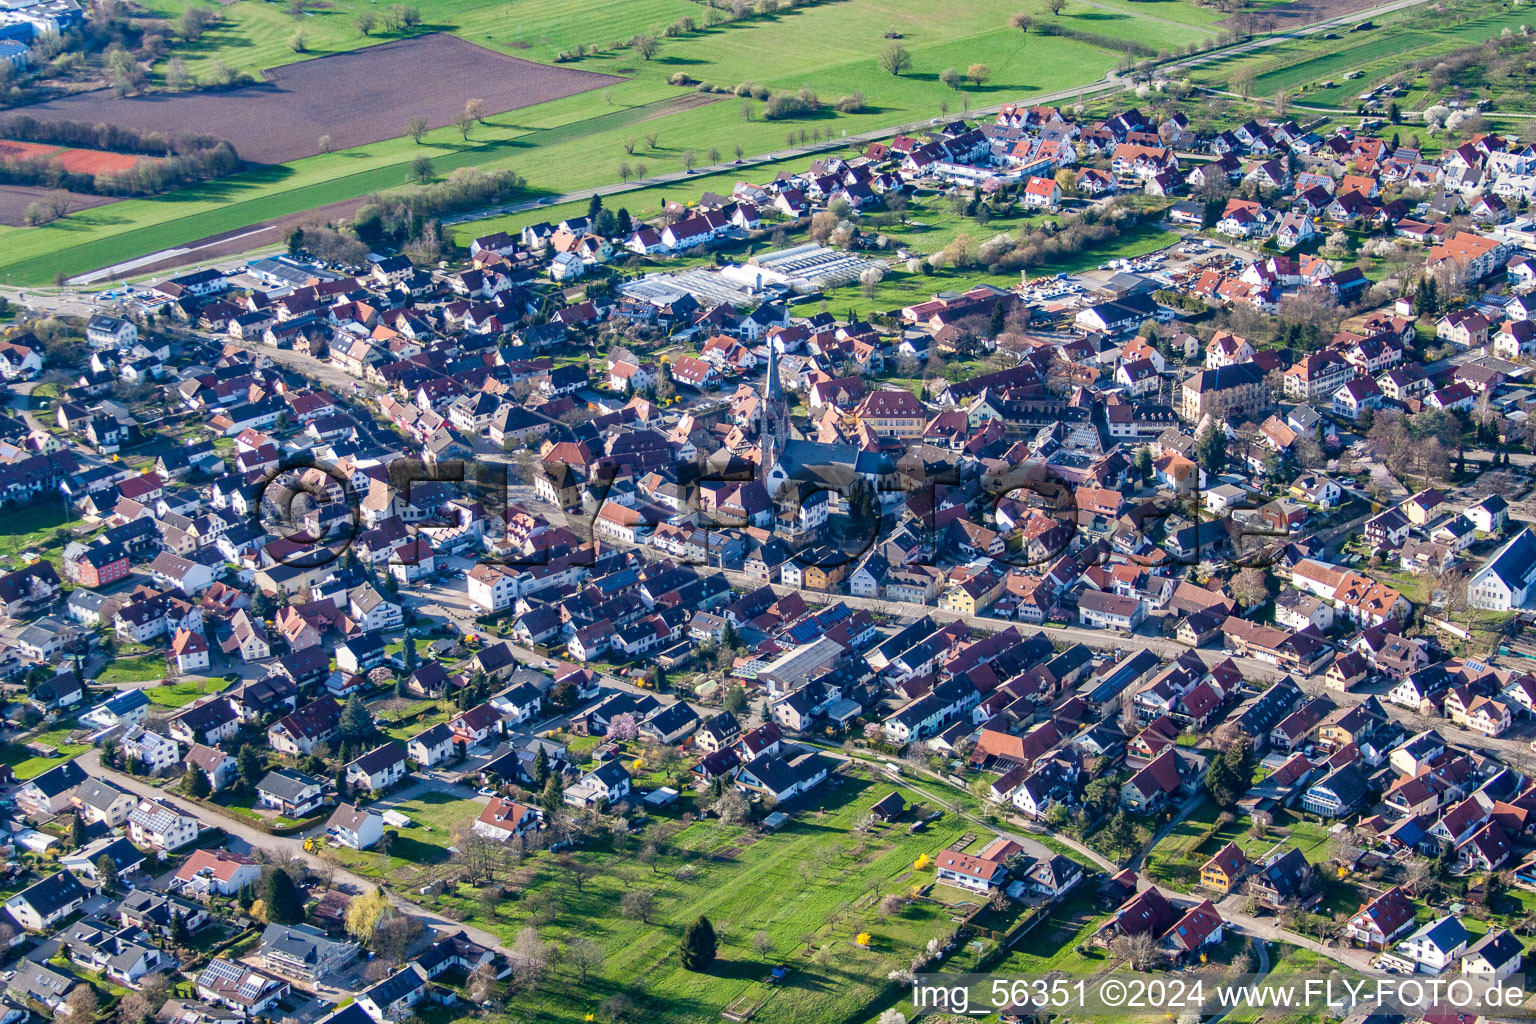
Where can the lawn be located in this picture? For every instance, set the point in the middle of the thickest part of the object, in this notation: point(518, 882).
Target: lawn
point(434, 816)
point(1177, 858)
point(826, 882)
point(134, 669)
point(26, 765)
point(901, 288)
point(1307, 836)
point(1052, 944)
point(408, 722)
point(832, 47)
point(180, 694)
point(30, 527)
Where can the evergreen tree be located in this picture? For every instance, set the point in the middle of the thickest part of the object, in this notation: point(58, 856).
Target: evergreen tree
point(1211, 448)
point(594, 206)
point(179, 933)
point(625, 225)
point(1230, 773)
point(553, 795)
point(1144, 463)
point(251, 766)
point(77, 832)
point(699, 945)
point(995, 327)
point(728, 636)
point(540, 769)
point(106, 870)
point(196, 784)
point(356, 723)
point(284, 904)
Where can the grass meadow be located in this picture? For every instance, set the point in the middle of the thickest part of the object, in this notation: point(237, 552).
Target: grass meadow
point(809, 887)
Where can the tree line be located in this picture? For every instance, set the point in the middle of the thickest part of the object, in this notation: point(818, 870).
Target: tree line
point(111, 137)
point(148, 175)
point(411, 215)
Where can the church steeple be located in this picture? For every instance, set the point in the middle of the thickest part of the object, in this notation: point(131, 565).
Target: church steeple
point(774, 430)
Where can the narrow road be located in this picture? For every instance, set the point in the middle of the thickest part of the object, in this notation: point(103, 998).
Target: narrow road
point(90, 761)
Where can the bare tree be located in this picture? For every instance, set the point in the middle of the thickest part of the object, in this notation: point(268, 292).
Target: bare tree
point(490, 898)
point(476, 854)
point(578, 871)
point(482, 981)
point(644, 45)
point(155, 989)
point(82, 1003)
point(1137, 949)
point(584, 955)
point(895, 59)
point(326, 144)
point(529, 958)
point(475, 109)
point(132, 1009)
point(1418, 873)
point(416, 128)
point(637, 906)
point(393, 938)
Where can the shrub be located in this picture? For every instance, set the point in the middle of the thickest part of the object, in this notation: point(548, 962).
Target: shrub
point(788, 104)
point(851, 104)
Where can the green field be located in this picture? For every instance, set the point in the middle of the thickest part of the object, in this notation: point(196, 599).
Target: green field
point(1052, 944)
point(180, 694)
point(29, 528)
point(579, 141)
point(136, 669)
point(433, 817)
point(816, 867)
point(1338, 62)
point(425, 715)
point(1398, 40)
point(26, 765)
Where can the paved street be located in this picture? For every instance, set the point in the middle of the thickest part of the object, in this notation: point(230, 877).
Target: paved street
point(90, 761)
